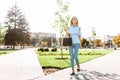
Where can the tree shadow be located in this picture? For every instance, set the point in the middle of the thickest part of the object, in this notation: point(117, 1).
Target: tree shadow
point(64, 59)
point(67, 62)
point(94, 75)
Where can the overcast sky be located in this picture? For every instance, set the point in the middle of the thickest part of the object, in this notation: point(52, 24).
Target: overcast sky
point(104, 15)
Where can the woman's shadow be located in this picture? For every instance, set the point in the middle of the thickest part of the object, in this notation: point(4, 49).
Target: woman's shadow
point(94, 75)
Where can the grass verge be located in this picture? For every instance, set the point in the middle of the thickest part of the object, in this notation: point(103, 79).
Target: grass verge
point(54, 59)
point(2, 52)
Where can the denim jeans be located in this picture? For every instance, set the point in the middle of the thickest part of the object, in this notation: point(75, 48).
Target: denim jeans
point(73, 50)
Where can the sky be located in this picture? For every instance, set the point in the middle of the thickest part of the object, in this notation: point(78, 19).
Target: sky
point(104, 15)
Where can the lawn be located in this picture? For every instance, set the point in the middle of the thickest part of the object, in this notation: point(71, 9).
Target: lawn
point(54, 59)
point(2, 52)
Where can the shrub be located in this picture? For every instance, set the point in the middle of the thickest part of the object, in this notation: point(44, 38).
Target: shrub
point(46, 49)
point(0, 52)
point(38, 49)
point(41, 49)
point(54, 49)
point(3, 52)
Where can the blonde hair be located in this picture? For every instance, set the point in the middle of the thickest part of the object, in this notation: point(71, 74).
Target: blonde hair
point(74, 18)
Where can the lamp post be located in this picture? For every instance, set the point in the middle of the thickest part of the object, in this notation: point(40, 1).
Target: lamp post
point(104, 42)
point(93, 34)
point(110, 41)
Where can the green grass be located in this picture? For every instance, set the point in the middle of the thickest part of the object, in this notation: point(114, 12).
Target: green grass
point(53, 59)
point(2, 52)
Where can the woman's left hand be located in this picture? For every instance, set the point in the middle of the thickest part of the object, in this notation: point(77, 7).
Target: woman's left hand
point(65, 29)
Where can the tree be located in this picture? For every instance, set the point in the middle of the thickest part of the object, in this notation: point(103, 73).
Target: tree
point(62, 19)
point(48, 41)
point(116, 40)
point(85, 42)
point(17, 28)
point(98, 42)
point(2, 34)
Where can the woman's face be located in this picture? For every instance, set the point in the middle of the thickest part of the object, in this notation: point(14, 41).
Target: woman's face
point(74, 21)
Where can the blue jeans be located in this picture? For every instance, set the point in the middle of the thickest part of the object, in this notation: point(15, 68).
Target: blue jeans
point(73, 50)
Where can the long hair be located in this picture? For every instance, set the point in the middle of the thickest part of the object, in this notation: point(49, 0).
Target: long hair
point(74, 18)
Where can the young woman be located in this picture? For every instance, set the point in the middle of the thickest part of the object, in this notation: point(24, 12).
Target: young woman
point(74, 32)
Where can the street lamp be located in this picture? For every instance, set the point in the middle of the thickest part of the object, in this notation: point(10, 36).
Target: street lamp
point(93, 34)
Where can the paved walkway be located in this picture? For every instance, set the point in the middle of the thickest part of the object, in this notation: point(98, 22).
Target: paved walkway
point(20, 65)
point(24, 65)
point(103, 68)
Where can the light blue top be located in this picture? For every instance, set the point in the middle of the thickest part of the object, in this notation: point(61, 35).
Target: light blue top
point(75, 33)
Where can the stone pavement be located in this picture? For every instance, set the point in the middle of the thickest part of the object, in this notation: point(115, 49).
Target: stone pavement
point(103, 68)
point(24, 65)
point(20, 65)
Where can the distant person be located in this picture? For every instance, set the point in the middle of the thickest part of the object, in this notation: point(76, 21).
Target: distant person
point(75, 33)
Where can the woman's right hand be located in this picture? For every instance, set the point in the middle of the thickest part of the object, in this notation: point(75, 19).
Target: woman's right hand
point(66, 30)
point(81, 46)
